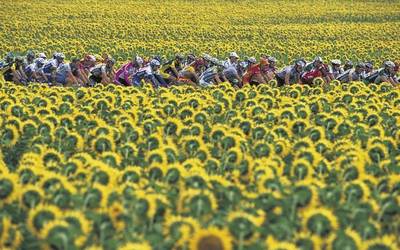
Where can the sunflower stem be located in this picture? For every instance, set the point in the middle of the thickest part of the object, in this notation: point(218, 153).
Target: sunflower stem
point(241, 241)
point(294, 208)
point(199, 207)
point(380, 215)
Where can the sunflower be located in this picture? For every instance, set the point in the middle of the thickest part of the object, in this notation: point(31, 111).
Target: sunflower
point(10, 135)
point(197, 202)
point(136, 246)
point(356, 190)
point(181, 228)
point(320, 221)
point(56, 234)
point(130, 174)
point(112, 159)
point(383, 243)
point(211, 238)
point(301, 169)
point(41, 215)
point(31, 196)
point(173, 126)
point(145, 204)
point(196, 178)
point(96, 197)
point(9, 187)
point(305, 195)
point(243, 226)
point(103, 143)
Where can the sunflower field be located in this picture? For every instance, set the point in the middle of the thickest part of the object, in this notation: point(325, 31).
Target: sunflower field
point(183, 168)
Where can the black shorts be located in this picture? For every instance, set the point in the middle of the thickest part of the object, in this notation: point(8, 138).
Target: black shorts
point(8, 75)
point(280, 81)
point(94, 79)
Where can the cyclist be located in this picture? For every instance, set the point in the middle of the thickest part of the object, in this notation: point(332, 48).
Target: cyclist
point(102, 73)
point(348, 65)
point(50, 67)
point(34, 71)
point(387, 74)
point(290, 74)
point(170, 70)
point(317, 63)
point(211, 75)
point(67, 75)
point(335, 69)
point(123, 76)
point(253, 74)
point(350, 75)
point(230, 72)
point(149, 74)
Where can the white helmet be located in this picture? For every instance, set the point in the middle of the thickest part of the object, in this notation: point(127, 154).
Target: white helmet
point(214, 60)
point(154, 62)
point(300, 63)
point(318, 59)
point(139, 60)
point(91, 58)
point(389, 64)
point(42, 55)
point(336, 62)
point(207, 57)
point(40, 60)
point(252, 60)
point(233, 54)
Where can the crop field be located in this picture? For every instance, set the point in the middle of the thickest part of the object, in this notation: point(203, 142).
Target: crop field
point(285, 29)
point(185, 168)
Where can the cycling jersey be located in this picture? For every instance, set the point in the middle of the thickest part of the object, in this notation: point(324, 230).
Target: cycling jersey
point(62, 73)
point(167, 68)
point(294, 76)
point(349, 75)
point(335, 72)
point(207, 77)
point(122, 76)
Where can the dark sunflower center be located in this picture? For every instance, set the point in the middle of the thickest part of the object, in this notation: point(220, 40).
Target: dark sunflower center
point(210, 243)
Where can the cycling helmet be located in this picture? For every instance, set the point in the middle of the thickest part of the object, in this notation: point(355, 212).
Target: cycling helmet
point(90, 58)
point(300, 63)
point(243, 64)
point(349, 63)
point(389, 64)
point(233, 54)
point(139, 60)
point(42, 55)
point(60, 56)
point(336, 62)
point(111, 61)
point(191, 57)
point(207, 57)
point(9, 57)
point(154, 62)
point(272, 59)
point(251, 60)
point(318, 59)
point(369, 65)
point(40, 61)
point(360, 65)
